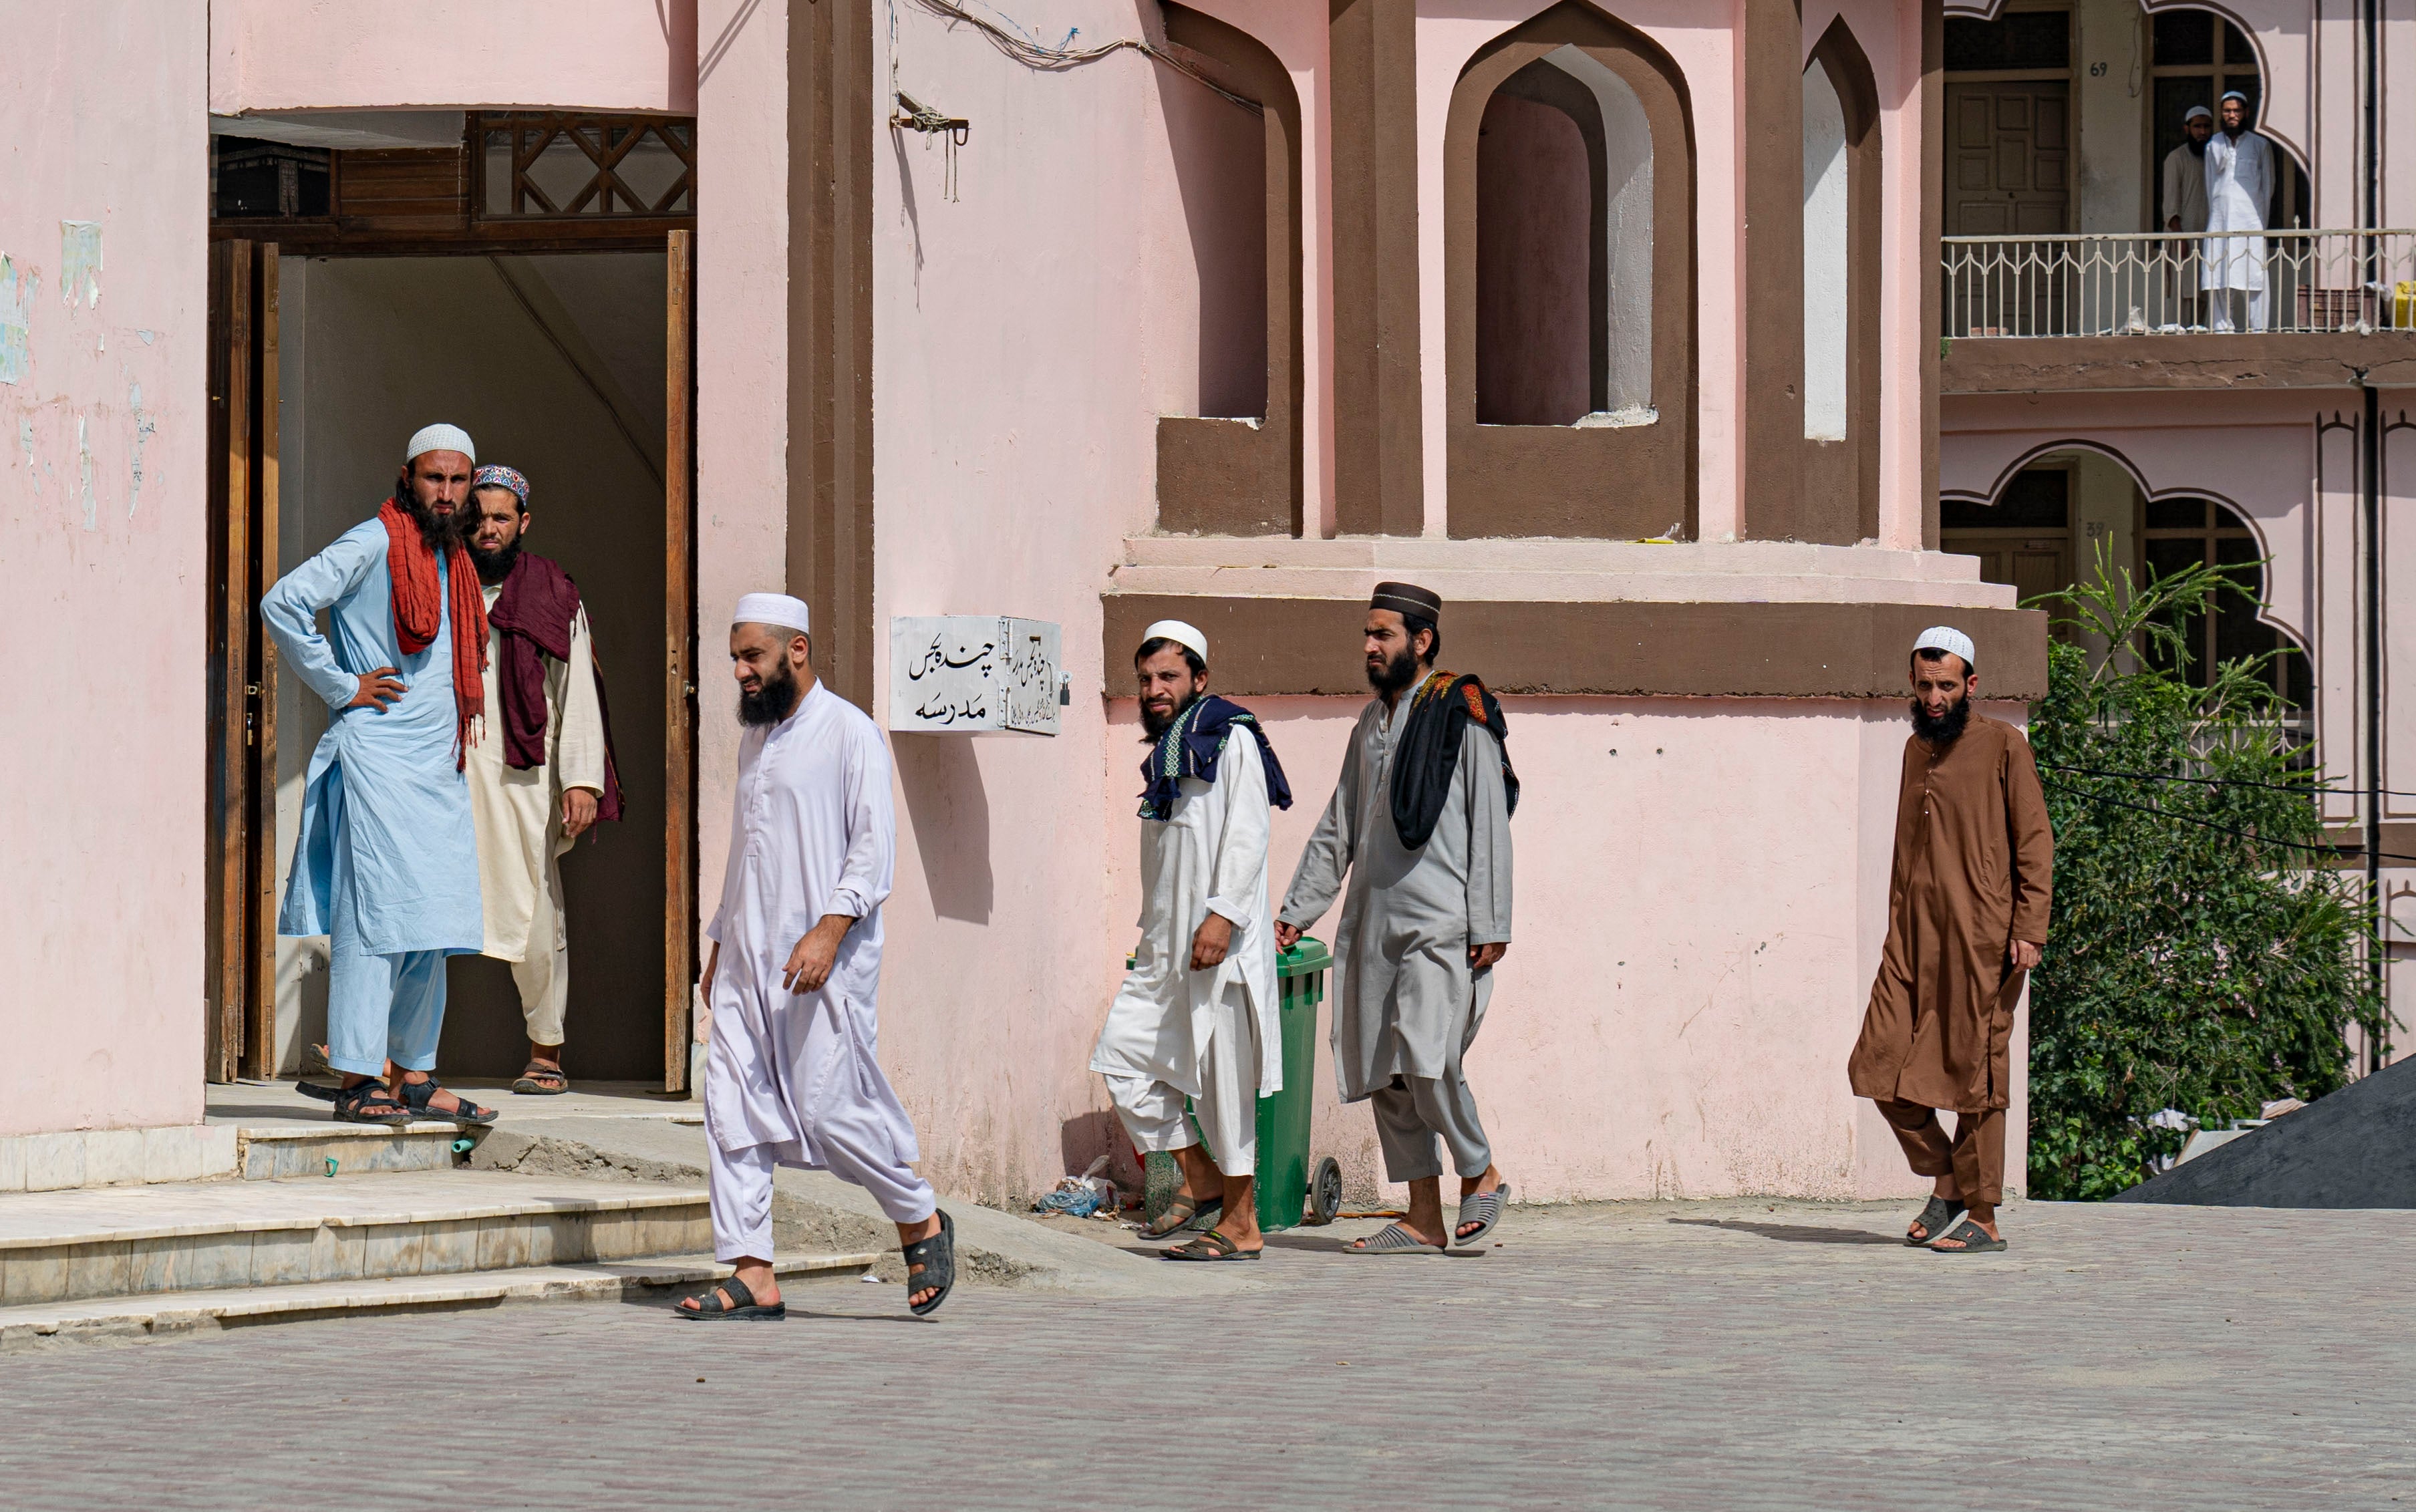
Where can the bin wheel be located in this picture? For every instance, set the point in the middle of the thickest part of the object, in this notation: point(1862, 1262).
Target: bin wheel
point(1325, 1191)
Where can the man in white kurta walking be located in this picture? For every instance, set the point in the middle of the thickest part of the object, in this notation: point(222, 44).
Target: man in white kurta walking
point(540, 766)
point(2238, 187)
point(1197, 1016)
point(792, 1078)
point(1420, 825)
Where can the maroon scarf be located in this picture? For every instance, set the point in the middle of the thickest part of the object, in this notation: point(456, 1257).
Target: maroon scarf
point(418, 604)
point(532, 619)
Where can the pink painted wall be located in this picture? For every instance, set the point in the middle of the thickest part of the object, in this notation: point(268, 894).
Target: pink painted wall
point(593, 54)
point(101, 546)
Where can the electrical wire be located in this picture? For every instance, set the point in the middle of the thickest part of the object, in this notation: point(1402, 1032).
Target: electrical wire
point(2208, 824)
point(2224, 782)
point(1032, 54)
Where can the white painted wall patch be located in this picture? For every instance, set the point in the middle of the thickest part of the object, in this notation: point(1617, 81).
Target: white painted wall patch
point(79, 263)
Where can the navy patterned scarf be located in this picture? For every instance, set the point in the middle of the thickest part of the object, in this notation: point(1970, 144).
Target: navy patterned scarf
point(1191, 748)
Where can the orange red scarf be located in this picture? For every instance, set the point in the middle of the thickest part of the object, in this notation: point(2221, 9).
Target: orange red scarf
point(419, 603)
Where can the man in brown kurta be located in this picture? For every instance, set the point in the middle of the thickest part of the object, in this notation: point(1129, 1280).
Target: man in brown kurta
point(1967, 918)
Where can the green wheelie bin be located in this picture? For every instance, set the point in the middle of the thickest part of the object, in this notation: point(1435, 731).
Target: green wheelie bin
point(1290, 1192)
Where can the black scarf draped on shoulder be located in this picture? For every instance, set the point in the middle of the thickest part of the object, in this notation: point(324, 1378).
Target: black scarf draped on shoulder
point(1191, 748)
point(1443, 705)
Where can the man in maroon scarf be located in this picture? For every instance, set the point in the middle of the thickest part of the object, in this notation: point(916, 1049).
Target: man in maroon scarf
point(540, 759)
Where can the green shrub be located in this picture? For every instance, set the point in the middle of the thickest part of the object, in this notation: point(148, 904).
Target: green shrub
point(2198, 958)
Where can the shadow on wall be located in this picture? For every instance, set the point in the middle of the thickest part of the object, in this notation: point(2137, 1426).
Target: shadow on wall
point(950, 811)
point(1085, 1136)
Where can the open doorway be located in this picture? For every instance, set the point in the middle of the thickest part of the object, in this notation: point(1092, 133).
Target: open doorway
point(551, 317)
point(554, 364)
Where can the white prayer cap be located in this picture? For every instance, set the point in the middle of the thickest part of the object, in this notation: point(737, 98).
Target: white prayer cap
point(772, 609)
point(1180, 633)
point(2195, 112)
point(429, 438)
point(1947, 637)
point(2234, 94)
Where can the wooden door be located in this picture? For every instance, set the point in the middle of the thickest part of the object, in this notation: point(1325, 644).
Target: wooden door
point(679, 659)
point(2008, 158)
point(240, 972)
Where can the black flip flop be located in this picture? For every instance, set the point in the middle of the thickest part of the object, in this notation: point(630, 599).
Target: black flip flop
point(741, 1307)
point(1972, 1239)
point(937, 1255)
point(1212, 1246)
point(1934, 1218)
point(534, 1077)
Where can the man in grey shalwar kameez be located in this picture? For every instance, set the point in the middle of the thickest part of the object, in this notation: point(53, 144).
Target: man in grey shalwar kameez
point(1420, 823)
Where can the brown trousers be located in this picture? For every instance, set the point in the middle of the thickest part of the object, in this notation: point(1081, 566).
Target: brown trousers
point(1975, 1157)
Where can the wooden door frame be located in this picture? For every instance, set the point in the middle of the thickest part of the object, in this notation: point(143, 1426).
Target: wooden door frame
point(679, 656)
point(240, 972)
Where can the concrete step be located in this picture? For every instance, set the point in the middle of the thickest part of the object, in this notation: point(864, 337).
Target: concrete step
point(135, 1241)
point(283, 1152)
point(171, 1314)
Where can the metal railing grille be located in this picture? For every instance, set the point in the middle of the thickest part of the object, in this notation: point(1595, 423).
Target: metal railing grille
point(2145, 285)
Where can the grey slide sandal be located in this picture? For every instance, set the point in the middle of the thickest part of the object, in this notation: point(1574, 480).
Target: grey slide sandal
point(1483, 1209)
point(1969, 1239)
point(1936, 1215)
point(1394, 1240)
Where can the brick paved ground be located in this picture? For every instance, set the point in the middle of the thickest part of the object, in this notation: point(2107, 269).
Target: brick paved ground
point(1652, 1356)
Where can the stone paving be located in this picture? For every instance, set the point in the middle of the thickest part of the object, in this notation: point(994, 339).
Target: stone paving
point(1716, 1356)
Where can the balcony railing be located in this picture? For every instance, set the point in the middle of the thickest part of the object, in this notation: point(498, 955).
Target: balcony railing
point(2148, 285)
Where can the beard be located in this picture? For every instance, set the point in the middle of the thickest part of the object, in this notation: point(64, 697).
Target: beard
point(1941, 732)
point(2198, 148)
point(1154, 725)
point(1396, 673)
point(495, 565)
point(440, 531)
point(773, 699)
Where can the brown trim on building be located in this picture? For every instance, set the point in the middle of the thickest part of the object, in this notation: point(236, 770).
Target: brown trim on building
point(1234, 477)
point(2398, 840)
point(1609, 483)
point(1933, 224)
point(1770, 267)
point(2066, 364)
point(1379, 448)
point(1265, 646)
point(830, 337)
point(1841, 478)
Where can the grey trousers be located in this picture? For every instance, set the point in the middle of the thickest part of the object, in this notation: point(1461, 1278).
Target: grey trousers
point(1411, 1114)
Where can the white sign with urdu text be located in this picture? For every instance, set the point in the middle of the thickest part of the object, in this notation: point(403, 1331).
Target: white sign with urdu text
point(973, 674)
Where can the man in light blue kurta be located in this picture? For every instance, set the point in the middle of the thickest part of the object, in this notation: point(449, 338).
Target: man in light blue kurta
point(386, 863)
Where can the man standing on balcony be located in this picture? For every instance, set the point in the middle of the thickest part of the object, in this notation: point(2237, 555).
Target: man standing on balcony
point(2186, 174)
point(2238, 187)
point(1419, 825)
point(1967, 919)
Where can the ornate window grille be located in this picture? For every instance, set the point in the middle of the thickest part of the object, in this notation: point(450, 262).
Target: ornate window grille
point(549, 165)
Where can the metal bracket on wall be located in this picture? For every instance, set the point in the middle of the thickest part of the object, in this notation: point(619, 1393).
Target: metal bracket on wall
point(912, 115)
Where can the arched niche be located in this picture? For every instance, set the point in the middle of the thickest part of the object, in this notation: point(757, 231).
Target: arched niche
point(1235, 469)
point(1841, 294)
point(1588, 107)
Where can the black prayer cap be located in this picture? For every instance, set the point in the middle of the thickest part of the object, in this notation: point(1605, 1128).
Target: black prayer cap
point(1407, 598)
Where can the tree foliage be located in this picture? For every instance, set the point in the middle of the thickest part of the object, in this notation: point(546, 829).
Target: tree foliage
point(2197, 959)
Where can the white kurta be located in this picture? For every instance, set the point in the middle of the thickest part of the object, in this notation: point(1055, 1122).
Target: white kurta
point(812, 833)
point(1208, 855)
point(519, 813)
point(2239, 186)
